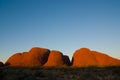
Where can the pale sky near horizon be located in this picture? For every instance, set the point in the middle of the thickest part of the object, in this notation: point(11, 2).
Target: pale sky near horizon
point(64, 25)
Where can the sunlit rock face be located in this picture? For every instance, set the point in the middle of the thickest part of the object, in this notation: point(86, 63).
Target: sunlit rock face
point(35, 57)
point(105, 60)
point(84, 58)
point(14, 60)
point(1, 64)
point(55, 59)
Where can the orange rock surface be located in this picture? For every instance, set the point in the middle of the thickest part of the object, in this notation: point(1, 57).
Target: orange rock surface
point(35, 57)
point(39, 56)
point(15, 60)
point(84, 57)
point(55, 59)
point(105, 60)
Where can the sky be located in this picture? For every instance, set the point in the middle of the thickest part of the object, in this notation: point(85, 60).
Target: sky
point(64, 25)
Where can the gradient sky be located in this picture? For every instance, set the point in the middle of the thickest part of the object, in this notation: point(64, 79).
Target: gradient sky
point(64, 25)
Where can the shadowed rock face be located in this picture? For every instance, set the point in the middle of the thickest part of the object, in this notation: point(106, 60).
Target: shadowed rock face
point(1, 64)
point(84, 57)
point(66, 60)
point(35, 57)
point(55, 59)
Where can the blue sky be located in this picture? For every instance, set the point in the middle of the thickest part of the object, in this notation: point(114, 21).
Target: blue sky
point(64, 25)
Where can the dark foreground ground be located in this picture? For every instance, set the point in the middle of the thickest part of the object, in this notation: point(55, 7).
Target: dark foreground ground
point(65, 73)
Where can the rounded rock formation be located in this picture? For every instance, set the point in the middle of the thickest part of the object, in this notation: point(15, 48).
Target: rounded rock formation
point(35, 57)
point(39, 56)
point(84, 58)
point(55, 59)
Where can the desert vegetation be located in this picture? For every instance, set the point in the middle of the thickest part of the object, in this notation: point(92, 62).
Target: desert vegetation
point(60, 73)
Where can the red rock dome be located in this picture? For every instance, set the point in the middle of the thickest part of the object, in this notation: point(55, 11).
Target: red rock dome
point(84, 57)
point(35, 57)
point(55, 59)
point(39, 56)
